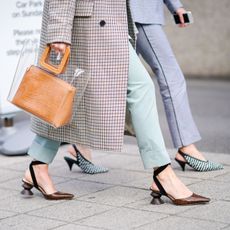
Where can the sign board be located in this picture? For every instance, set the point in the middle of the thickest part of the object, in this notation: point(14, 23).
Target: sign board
point(20, 20)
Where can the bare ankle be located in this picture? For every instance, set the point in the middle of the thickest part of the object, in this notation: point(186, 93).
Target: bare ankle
point(192, 151)
point(72, 151)
point(166, 174)
point(85, 151)
point(188, 148)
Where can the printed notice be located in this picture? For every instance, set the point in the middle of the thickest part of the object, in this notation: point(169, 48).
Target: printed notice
point(21, 20)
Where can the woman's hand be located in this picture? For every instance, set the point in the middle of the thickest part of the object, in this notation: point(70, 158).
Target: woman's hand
point(180, 12)
point(59, 47)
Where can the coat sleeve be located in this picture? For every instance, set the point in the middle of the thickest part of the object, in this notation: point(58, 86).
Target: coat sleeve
point(60, 20)
point(173, 5)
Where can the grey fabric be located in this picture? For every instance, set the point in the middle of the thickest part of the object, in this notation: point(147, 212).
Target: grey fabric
point(152, 11)
point(102, 51)
point(153, 45)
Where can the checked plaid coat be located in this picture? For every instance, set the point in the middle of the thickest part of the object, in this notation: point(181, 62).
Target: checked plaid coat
point(98, 33)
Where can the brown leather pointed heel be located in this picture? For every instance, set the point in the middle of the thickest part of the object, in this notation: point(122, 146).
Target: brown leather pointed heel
point(191, 200)
point(27, 186)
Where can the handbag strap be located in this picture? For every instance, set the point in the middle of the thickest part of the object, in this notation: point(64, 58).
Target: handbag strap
point(56, 69)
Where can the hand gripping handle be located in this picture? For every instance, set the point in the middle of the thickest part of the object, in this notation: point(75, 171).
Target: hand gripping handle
point(56, 69)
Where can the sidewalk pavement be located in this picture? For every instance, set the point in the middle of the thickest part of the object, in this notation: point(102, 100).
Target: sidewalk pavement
point(116, 200)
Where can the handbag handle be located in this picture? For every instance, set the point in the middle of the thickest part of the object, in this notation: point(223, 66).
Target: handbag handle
point(56, 69)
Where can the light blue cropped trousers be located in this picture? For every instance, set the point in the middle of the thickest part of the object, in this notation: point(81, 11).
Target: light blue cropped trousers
point(141, 102)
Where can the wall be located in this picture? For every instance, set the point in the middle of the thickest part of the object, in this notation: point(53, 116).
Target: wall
point(203, 49)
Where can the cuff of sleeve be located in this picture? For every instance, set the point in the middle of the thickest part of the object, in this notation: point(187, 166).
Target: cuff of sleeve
point(177, 6)
point(62, 33)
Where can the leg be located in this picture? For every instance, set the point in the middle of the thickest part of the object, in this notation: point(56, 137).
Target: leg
point(153, 45)
point(142, 106)
point(43, 150)
point(155, 49)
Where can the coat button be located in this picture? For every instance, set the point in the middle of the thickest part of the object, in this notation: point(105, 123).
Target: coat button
point(102, 23)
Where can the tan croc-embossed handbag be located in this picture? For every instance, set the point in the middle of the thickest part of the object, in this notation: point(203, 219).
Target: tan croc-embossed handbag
point(44, 95)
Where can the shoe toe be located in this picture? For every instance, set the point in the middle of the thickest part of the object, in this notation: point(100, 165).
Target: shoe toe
point(64, 195)
point(200, 198)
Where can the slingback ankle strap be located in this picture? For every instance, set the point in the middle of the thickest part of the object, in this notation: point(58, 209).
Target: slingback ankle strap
point(157, 182)
point(79, 153)
point(160, 169)
point(32, 172)
point(75, 148)
point(181, 153)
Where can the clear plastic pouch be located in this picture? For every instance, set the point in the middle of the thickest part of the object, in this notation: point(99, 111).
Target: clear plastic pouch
point(29, 57)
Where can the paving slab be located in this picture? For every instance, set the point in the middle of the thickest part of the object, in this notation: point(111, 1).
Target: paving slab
point(226, 228)
point(27, 222)
point(76, 227)
point(122, 218)
point(217, 211)
point(6, 194)
point(16, 184)
point(189, 172)
point(223, 178)
point(143, 183)
point(63, 171)
point(81, 188)
point(5, 214)
point(227, 198)
point(6, 161)
point(118, 161)
point(71, 211)
point(7, 174)
point(19, 204)
point(166, 208)
point(116, 196)
point(115, 177)
point(137, 166)
point(18, 164)
point(180, 223)
point(216, 190)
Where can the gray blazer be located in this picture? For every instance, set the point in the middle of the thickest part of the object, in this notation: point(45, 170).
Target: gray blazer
point(152, 11)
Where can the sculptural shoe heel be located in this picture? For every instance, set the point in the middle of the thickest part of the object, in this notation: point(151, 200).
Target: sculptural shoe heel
point(27, 186)
point(70, 162)
point(191, 200)
point(156, 198)
point(181, 163)
point(26, 192)
point(197, 164)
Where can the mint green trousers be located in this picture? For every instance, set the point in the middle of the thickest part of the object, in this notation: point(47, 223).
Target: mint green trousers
point(141, 102)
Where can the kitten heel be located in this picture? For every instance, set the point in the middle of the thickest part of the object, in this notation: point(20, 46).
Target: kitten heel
point(181, 163)
point(70, 162)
